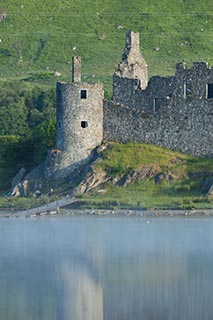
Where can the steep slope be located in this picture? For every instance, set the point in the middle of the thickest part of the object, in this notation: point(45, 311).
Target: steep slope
point(38, 37)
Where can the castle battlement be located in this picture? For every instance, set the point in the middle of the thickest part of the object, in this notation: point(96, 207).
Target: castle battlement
point(194, 83)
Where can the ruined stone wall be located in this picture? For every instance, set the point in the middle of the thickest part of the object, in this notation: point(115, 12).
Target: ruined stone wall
point(127, 91)
point(174, 112)
point(183, 127)
point(133, 65)
point(192, 83)
point(79, 124)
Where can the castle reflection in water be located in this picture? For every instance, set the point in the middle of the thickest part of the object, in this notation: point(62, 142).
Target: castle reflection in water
point(106, 269)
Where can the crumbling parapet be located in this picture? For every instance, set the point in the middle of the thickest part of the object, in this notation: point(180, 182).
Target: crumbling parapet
point(133, 65)
point(193, 83)
point(76, 69)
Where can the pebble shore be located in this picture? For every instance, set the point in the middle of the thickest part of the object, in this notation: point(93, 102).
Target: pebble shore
point(111, 213)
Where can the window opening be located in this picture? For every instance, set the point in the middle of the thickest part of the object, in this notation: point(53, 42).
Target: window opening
point(187, 89)
point(159, 102)
point(84, 124)
point(210, 91)
point(154, 107)
point(83, 94)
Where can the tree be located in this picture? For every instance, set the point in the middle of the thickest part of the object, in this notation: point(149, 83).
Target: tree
point(13, 119)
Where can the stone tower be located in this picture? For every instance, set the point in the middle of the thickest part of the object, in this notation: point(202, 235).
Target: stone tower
point(133, 65)
point(79, 121)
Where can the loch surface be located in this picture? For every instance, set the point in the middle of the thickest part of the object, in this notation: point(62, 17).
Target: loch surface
point(111, 268)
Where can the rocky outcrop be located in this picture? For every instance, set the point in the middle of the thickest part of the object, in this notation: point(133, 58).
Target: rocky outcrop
point(210, 192)
point(19, 185)
point(162, 176)
point(22, 184)
point(97, 179)
point(18, 177)
point(207, 186)
point(21, 189)
point(3, 16)
point(93, 179)
point(136, 175)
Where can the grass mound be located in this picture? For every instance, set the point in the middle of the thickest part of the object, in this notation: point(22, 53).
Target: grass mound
point(179, 181)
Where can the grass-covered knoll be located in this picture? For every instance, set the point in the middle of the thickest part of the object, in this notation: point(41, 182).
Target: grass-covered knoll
point(39, 37)
point(184, 186)
point(185, 182)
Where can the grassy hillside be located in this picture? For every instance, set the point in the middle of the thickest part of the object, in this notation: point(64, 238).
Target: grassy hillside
point(184, 180)
point(38, 37)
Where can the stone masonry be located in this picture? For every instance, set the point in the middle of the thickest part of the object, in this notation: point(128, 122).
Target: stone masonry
point(174, 112)
point(79, 123)
point(133, 65)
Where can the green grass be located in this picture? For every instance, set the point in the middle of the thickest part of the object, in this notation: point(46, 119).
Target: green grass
point(120, 157)
point(23, 202)
point(184, 190)
point(39, 37)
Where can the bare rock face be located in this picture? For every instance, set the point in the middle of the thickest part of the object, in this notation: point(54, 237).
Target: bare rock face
point(136, 175)
point(210, 192)
point(207, 186)
point(37, 193)
point(25, 187)
point(3, 16)
point(19, 185)
point(16, 192)
point(92, 180)
point(20, 189)
point(96, 179)
point(18, 177)
point(24, 183)
point(162, 176)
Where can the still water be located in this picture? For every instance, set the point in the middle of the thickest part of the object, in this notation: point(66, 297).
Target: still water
point(87, 268)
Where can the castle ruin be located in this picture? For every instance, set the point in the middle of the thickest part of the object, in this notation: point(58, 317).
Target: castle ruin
point(79, 123)
point(175, 112)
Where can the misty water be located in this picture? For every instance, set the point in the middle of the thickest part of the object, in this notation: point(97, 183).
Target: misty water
point(94, 268)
